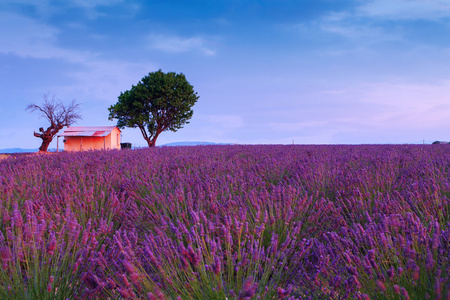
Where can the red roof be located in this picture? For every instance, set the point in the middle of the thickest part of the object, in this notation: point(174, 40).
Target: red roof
point(98, 133)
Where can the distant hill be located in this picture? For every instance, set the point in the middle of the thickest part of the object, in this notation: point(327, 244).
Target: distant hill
point(17, 150)
point(21, 150)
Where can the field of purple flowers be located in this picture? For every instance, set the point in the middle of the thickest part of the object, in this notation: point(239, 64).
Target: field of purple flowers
point(227, 222)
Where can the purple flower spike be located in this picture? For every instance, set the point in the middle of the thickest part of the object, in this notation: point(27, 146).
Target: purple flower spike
point(216, 266)
point(248, 289)
point(396, 289)
point(283, 293)
point(429, 262)
point(51, 245)
point(404, 293)
point(381, 285)
point(192, 256)
point(438, 288)
point(5, 254)
point(391, 272)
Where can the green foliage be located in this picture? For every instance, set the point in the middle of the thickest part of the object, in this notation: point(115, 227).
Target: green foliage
point(159, 102)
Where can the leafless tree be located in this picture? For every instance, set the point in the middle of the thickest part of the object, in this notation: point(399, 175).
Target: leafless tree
point(58, 114)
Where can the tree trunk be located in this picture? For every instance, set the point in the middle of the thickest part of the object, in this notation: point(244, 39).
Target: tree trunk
point(152, 142)
point(44, 146)
point(47, 136)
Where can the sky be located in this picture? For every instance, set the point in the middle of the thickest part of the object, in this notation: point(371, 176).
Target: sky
point(266, 71)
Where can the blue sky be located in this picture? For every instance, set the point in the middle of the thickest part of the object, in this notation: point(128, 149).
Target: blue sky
point(267, 71)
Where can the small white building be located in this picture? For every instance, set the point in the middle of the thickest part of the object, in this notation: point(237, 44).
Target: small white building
point(91, 138)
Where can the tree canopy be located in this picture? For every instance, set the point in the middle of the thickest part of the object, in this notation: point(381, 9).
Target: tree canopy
point(159, 102)
point(57, 114)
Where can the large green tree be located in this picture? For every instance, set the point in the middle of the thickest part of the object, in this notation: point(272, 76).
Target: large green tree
point(159, 102)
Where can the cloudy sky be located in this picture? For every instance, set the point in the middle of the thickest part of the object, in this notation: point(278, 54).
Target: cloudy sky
point(266, 71)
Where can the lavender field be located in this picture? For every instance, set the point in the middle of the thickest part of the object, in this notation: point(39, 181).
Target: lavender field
point(227, 222)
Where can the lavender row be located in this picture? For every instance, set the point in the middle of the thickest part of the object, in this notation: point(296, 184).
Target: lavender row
point(227, 222)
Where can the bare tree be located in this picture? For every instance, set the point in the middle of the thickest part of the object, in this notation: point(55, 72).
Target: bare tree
point(58, 114)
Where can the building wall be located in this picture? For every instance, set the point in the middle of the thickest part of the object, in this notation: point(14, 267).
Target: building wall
point(79, 143)
point(115, 139)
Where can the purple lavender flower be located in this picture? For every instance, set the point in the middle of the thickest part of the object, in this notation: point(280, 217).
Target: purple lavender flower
point(192, 256)
point(391, 272)
point(51, 245)
point(381, 286)
point(283, 293)
point(248, 289)
point(404, 293)
point(5, 254)
point(216, 266)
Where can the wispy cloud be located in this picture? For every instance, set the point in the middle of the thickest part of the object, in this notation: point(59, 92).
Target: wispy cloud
point(93, 75)
point(104, 80)
point(414, 106)
point(367, 34)
point(93, 8)
point(298, 125)
point(47, 7)
point(42, 7)
point(406, 9)
point(81, 3)
point(94, 3)
point(376, 111)
point(226, 122)
point(177, 44)
point(349, 27)
point(26, 37)
point(377, 22)
point(223, 128)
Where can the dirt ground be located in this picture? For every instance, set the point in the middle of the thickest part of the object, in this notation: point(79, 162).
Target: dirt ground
point(3, 156)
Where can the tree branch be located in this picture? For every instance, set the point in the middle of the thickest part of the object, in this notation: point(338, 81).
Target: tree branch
point(57, 114)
